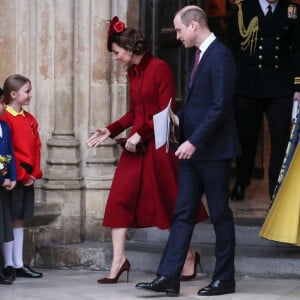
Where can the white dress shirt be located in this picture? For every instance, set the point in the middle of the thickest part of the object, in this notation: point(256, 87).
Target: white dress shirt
point(264, 5)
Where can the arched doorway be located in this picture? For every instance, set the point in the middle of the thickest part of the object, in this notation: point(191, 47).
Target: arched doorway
point(156, 22)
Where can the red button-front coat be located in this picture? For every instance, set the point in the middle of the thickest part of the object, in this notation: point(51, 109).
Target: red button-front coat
point(144, 188)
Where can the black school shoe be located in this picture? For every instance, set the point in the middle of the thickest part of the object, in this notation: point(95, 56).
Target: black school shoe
point(27, 272)
point(9, 272)
point(5, 280)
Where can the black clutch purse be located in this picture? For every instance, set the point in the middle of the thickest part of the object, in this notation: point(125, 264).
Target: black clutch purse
point(140, 147)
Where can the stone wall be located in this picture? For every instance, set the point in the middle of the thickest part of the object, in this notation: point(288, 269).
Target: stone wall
point(77, 87)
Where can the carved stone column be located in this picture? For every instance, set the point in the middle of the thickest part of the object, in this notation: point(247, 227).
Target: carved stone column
point(100, 162)
point(63, 181)
point(108, 101)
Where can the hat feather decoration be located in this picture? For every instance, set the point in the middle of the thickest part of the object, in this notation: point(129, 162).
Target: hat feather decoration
point(115, 26)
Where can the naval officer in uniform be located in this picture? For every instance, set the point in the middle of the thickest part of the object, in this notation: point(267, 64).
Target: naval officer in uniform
point(265, 40)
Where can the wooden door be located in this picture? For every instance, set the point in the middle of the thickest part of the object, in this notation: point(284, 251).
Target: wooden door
point(156, 22)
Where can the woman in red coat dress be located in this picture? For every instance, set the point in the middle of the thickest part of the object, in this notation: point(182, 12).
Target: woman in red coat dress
point(144, 188)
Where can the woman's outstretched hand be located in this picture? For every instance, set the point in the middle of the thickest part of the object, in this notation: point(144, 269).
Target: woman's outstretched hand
point(98, 137)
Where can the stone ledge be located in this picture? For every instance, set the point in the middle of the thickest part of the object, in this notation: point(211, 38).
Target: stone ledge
point(87, 255)
point(44, 213)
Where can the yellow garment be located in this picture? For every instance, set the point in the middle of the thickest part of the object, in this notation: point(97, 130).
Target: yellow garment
point(13, 112)
point(282, 223)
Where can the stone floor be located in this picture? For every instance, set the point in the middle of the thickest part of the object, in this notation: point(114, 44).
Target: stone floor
point(81, 285)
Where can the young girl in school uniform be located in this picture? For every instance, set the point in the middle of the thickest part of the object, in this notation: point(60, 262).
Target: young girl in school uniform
point(27, 146)
point(8, 177)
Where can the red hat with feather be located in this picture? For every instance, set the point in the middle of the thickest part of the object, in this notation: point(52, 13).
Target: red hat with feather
point(115, 27)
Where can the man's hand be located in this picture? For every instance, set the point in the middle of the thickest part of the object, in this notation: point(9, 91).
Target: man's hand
point(185, 150)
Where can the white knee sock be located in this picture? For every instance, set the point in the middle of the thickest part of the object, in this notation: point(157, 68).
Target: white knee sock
point(7, 251)
point(18, 247)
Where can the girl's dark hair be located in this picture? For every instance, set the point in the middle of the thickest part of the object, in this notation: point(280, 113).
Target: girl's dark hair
point(13, 83)
point(131, 40)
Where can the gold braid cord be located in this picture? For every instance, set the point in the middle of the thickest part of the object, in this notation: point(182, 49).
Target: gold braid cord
point(250, 34)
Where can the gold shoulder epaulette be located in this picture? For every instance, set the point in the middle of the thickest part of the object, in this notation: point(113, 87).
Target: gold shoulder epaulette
point(249, 34)
point(297, 80)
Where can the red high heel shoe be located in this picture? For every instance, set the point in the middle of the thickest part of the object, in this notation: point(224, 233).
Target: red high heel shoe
point(197, 262)
point(124, 267)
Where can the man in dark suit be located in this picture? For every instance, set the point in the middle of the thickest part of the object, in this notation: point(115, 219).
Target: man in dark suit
point(266, 44)
point(208, 143)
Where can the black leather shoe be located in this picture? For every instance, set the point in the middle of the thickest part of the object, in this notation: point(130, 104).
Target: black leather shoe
point(161, 284)
point(9, 272)
point(5, 280)
point(27, 272)
point(218, 287)
point(237, 193)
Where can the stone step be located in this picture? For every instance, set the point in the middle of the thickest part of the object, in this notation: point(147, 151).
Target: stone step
point(257, 261)
point(246, 230)
point(254, 256)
